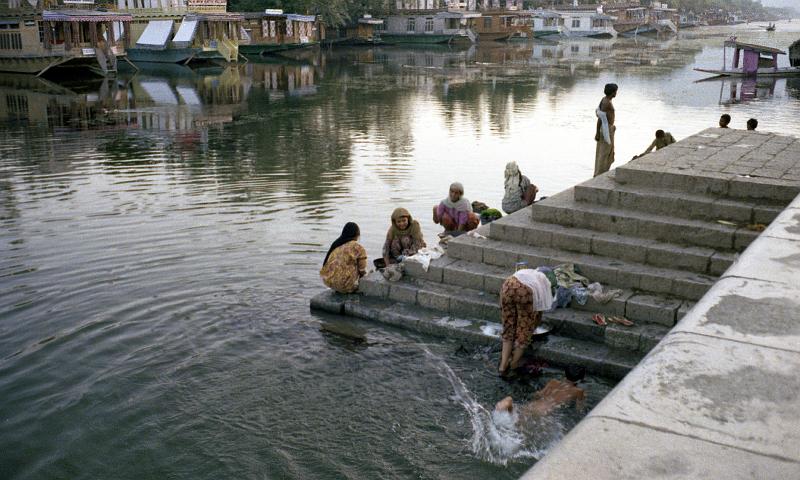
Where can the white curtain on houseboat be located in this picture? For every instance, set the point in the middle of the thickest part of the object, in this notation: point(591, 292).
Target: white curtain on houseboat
point(155, 35)
point(185, 33)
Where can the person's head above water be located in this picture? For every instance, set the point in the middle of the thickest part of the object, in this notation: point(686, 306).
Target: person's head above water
point(724, 120)
point(660, 133)
point(575, 373)
point(611, 90)
point(456, 191)
point(752, 124)
point(505, 405)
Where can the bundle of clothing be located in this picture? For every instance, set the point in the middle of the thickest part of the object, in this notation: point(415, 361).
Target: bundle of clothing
point(568, 284)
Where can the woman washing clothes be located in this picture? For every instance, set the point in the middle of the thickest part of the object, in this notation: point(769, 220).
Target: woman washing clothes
point(346, 261)
point(519, 191)
point(454, 213)
point(403, 239)
point(523, 298)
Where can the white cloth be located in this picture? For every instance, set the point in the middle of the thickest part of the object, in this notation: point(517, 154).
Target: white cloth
point(425, 255)
point(606, 129)
point(540, 286)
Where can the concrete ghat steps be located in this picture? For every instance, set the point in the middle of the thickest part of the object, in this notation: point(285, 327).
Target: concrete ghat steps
point(483, 264)
point(563, 209)
point(605, 190)
point(701, 260)
point(653, 319)
point(598, 358)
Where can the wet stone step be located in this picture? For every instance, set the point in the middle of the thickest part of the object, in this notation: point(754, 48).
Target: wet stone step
point(597, 357)
point(459, 301)
point(638, 306)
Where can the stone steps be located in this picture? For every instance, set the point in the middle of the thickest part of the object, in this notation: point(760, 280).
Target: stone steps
point(605, 190)
point(563, 209)
point(598, 358)
point(483, 264)
point(701, 260)
point(653, 316)
point(710, 183)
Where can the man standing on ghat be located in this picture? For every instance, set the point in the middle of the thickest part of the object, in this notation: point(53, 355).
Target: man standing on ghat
point(604, 154)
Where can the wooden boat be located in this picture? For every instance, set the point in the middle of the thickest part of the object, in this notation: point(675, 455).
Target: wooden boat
point(756, 60)
point(770, 27)
point(274, 31)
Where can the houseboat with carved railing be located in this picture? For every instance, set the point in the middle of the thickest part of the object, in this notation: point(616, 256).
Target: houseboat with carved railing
point(275, 31)
point(634, 19)
point(498, 25)
point(430, 27)
point(182, 31)
point(40, 36)
point(585, 21)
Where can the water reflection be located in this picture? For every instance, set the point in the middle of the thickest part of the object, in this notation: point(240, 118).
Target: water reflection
point(737, 90)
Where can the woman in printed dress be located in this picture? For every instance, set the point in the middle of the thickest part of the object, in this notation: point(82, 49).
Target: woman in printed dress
point(346, 261)
point(523, 298)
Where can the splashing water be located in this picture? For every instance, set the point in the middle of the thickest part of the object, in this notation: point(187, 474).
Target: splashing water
point(498, 437)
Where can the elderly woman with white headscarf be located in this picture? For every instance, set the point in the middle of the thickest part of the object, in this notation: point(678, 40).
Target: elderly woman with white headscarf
point(454, 213)
point(519, 192)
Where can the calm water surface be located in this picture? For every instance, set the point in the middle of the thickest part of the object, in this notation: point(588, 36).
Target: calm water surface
point(162, 233)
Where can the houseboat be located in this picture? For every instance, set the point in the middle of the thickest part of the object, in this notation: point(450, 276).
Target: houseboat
point(586, 21)
point(181, 31)
point(637, 20)
point(546, 23)
point(275, 31)
point(794, 54)
point(188, 37)
point(430, 26)
point(34, 40)
point(498, 25)
point(365, 31)
point(751, 60)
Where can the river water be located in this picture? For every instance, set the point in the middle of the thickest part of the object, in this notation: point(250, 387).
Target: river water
point(162, 233)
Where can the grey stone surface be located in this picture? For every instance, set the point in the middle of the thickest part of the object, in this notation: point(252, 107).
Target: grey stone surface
point(374, 285)
point(715, 390)
point(749, 311)
point(778, 260)
point(400, 292)
point(610, 449)
point(652, 309)
point(432, 300)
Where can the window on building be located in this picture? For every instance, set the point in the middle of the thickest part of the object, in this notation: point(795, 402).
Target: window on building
point(487, 22)
point(41, 32)
point(576, 23)
point(428, 24)
point(411, 26)
point(10, 41)
point(289, 28)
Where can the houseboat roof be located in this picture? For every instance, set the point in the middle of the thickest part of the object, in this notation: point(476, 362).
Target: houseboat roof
point(458, 14)
point(216, 17)
point(545, 14)
point(85, 16)
point(753, 47)
point(295, 17)
point(371, 21)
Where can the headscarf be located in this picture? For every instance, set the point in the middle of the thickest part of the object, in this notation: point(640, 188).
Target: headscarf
point(349, 233)
point(462, 204)
point(513, 179)
point(412, 229)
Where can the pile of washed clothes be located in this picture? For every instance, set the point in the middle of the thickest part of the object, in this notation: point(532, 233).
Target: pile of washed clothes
point(568, 284)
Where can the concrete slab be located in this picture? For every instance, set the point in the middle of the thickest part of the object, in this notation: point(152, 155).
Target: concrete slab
point(750, 311)
point(770, 259)
point(608, 449)
point(715, 390)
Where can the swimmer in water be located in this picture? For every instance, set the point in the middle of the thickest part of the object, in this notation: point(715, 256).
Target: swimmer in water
point(555, 394)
